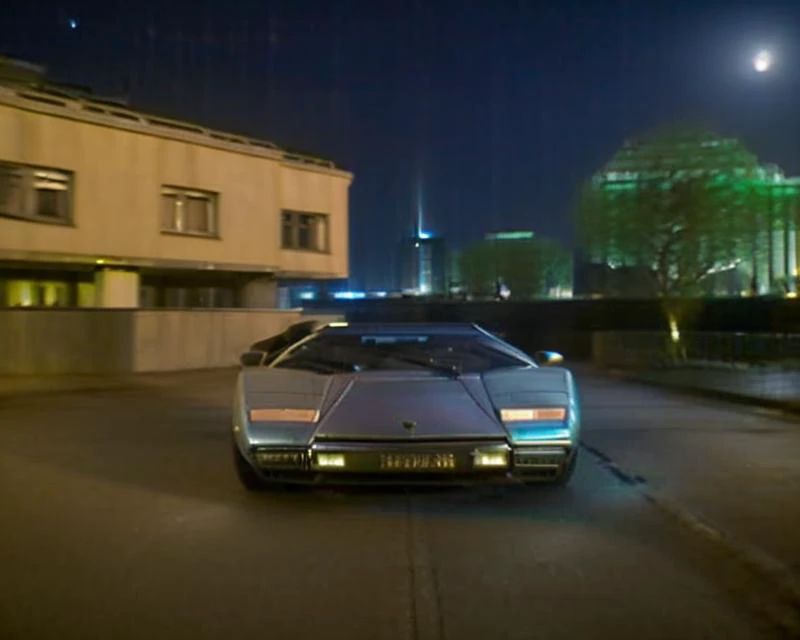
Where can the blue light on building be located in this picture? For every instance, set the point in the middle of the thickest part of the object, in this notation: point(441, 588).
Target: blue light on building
point(349, 295)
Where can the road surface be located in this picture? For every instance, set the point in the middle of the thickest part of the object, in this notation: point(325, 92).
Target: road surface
point(122, 518)
point(736, 467)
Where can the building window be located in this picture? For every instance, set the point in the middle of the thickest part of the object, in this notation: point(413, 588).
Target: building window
point(36, 293)
point(189, 212)
point(35, 193)
point(304, 231)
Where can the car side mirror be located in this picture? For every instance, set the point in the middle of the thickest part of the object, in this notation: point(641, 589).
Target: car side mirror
point(548, 358)
point(252, 358)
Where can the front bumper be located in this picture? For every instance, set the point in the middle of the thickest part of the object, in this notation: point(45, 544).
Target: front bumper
point(392, 462)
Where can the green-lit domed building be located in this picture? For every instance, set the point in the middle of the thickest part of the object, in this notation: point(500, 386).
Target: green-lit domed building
point(766, 253)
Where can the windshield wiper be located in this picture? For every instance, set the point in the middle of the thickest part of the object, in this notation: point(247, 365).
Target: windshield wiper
point(328, 367)
point(450, 370)
point(317, 365)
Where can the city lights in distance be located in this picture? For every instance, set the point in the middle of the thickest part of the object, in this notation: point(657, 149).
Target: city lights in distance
point(763, 61)
point(349, 295)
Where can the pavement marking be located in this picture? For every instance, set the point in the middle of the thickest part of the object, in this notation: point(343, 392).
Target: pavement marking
point(427, 619)
point(609, 465)
point(786, 585)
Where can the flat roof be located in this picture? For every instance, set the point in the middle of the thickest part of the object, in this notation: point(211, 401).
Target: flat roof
point(59, 102)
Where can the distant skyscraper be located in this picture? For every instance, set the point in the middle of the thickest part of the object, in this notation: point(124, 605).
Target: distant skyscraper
point(422, 264)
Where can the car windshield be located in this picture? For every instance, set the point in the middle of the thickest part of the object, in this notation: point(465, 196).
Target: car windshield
point(448, 354)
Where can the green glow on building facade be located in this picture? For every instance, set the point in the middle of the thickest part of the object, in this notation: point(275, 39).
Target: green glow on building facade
point(760, 204)
point(510, 235)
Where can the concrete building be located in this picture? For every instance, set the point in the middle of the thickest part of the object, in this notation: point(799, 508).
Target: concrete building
point(104, 206)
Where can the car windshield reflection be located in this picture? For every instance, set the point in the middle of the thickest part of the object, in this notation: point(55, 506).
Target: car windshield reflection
point(449, 355)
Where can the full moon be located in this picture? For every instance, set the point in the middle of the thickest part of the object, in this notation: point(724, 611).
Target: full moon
point(763, 61)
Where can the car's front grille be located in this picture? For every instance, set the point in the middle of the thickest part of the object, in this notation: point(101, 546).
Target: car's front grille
point(280, 458)
point(540, 458)
point(407, 461)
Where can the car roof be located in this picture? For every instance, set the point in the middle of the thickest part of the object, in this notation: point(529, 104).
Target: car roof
point(403, 328)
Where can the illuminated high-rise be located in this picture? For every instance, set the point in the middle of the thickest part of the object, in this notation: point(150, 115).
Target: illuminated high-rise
point(422, 264)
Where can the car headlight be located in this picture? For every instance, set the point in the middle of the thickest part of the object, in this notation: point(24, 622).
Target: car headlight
point(548, 414)
point(330, 460)
point(283, 415)
point(491, 458)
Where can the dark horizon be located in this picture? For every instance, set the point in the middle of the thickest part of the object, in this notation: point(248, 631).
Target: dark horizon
point(492, 115)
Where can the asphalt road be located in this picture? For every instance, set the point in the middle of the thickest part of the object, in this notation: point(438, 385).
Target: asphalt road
point(736, 467)
point(120, 517)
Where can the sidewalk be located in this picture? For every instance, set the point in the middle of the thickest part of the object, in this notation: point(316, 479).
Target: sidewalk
point(772, 388)
point(26, 386)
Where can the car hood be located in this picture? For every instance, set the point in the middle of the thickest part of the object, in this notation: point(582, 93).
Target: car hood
point(396, 405)
point(410, 407)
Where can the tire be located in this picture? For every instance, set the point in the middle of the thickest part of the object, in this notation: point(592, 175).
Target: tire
point(248, 477)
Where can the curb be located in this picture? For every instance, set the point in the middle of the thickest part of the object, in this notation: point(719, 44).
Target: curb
point(787, 408)
point(782, 581)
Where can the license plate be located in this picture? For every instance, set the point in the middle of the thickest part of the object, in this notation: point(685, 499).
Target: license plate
point(417, 461)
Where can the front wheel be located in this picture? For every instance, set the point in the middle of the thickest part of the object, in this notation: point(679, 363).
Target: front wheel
point(247, 475)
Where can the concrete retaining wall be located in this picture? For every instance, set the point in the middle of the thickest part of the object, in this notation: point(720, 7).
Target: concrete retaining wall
point(96, 341)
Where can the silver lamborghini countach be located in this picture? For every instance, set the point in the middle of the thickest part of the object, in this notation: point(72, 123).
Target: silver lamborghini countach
point(403, 403)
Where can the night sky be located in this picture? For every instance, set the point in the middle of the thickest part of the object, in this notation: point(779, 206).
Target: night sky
point(492, 111)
